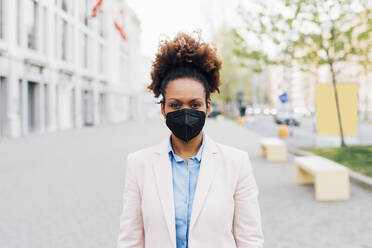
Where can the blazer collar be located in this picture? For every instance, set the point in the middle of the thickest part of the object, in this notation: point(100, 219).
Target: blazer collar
point(162, 168)
point(198, 155)
point(163, 147)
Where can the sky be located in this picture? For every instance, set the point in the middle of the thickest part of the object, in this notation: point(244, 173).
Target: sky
point(164, 18)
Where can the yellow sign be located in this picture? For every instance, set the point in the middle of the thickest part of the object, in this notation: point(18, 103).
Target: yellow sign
point(326, 112)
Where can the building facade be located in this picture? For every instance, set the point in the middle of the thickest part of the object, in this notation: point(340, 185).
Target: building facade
point(300, 88)
point(60, 68)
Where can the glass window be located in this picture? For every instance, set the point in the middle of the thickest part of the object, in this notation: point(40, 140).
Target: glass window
point(56, 32)
point(81, 10)
point(19, 22)
point(84, 11)
point(1, 19)
point(101, 24)
point(81, 49)
point(64, 5)
point(85, 51)
point(101, 68)
point(64, 40)
point(71, 48)
point(45, 30)
point(68, 6)
point(31, 21)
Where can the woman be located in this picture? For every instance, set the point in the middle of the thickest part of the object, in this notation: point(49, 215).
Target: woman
point(188, 191)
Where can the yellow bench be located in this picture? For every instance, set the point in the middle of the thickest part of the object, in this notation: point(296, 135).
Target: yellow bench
point(330, 178)
point(274, 149)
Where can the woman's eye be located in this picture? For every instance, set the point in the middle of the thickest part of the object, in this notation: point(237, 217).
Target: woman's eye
point(174, 105)
point(195, 105)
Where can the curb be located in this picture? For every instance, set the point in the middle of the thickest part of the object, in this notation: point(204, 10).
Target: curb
point(356, 178)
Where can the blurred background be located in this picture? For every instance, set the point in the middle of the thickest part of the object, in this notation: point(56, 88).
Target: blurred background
point(296, 74)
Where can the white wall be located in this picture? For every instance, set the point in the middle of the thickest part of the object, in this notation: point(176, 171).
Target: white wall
point(46, 66)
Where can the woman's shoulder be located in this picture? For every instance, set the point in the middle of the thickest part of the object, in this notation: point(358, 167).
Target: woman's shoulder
point(231, 151)
point(149, 151)
point(140, 158)
point(234, 157)
point(143, 152)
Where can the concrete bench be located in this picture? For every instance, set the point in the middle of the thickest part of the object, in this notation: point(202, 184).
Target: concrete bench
point(274, 149)
point(330, 178)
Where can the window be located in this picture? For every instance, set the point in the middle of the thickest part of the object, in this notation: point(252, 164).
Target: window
point(92, 50)
point(46, 105)
point(3, 105)
point(84, 11)
point(31, 21)
point(101, 59)
point(56, 32)
point(64, 5)
point(20, 104)
point(19, 22)
point(1, 19)
point(71, 48)
point(64, 40)
point(68, 6)
point(45, 30)
point(85, 50)
point(101, 24)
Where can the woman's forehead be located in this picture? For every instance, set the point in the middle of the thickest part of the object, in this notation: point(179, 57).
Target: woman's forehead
point(185, 87)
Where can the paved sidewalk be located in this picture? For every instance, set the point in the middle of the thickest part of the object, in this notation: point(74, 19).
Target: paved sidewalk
point(64, 190)
point(291, 217)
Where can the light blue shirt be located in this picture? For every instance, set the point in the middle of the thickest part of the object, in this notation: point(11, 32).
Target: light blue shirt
point(185, 178)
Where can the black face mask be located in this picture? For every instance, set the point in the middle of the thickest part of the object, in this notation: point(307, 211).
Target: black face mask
point(185, 123)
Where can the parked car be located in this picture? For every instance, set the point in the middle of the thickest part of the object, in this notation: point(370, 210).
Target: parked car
point(214, 114)
point(286, 116)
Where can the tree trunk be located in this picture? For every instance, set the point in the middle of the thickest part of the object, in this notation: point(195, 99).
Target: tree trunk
point(337, 104)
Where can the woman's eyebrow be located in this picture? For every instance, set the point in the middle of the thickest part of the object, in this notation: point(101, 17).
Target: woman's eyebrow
point(172, 98)
point(196, 99)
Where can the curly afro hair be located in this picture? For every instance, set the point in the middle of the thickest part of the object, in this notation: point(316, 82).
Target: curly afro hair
point(185, 57)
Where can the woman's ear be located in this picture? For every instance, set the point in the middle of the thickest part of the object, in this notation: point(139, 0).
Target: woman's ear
point(162, 106)
point(208, 107)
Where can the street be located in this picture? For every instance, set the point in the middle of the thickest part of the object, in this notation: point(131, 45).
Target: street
point(305, 134)
point(64, 189)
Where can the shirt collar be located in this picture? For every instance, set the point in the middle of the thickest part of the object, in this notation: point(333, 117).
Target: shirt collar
point(198, 155)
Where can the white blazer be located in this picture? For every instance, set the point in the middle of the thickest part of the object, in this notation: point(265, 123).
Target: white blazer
point(225, 211)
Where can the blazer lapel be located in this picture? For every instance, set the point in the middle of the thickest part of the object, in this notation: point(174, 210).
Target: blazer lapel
point(163, 172)
point(208, 168)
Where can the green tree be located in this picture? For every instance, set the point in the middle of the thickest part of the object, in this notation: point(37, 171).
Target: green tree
point(233, 77)
point(309, 32)
point(362, 36)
